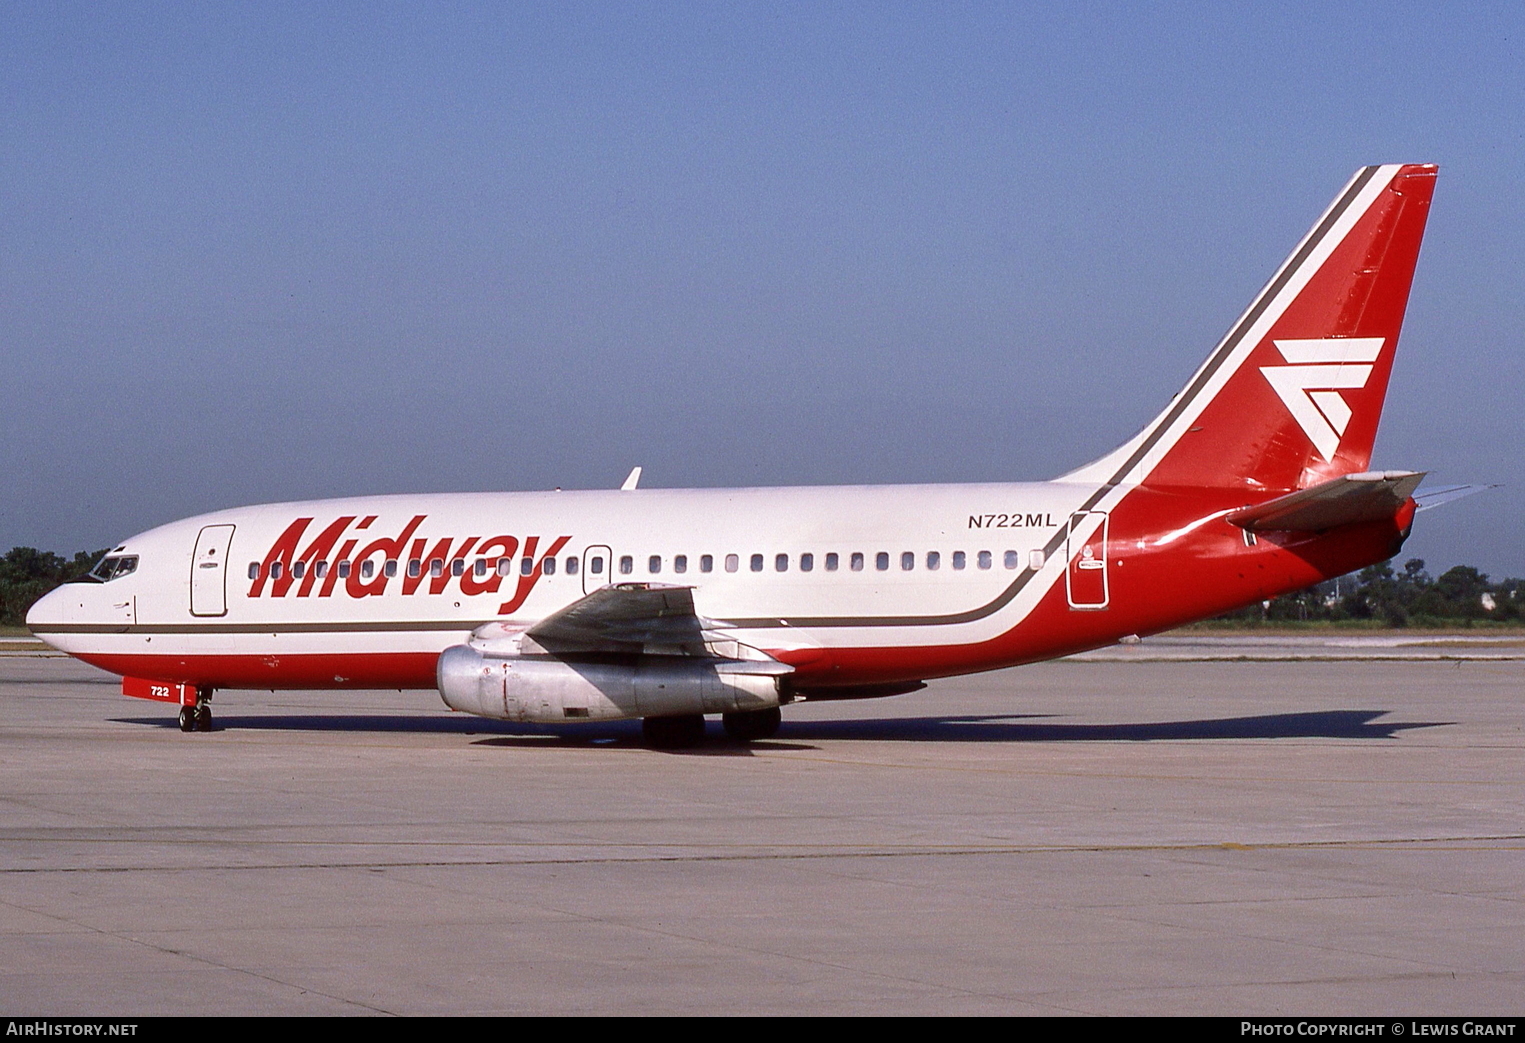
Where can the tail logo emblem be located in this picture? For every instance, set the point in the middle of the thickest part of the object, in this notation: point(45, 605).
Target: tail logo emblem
point(1310, 387)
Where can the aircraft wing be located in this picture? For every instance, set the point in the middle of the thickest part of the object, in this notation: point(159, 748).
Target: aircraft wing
point(651, 618)
point(623, 617)
point(1350, 498)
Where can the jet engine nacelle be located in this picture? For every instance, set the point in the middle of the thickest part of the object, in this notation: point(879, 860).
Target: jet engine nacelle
point(547, 690)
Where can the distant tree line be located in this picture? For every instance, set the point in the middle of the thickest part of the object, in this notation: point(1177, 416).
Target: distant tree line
point(1379, 594)
point(27, 573)
point(1411, 597)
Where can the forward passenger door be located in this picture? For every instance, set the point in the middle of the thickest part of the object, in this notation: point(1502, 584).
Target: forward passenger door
point(209, 571)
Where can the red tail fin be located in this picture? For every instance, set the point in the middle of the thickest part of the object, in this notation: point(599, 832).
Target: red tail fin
point(1292, 396)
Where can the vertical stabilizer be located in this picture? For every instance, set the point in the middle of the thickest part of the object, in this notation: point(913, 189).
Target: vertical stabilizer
point(1292, 395)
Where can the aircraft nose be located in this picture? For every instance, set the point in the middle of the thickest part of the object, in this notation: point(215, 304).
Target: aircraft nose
point(47, 609)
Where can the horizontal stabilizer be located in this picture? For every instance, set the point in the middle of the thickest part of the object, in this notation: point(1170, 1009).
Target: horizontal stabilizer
point(1362, 497)
point(1446, 493)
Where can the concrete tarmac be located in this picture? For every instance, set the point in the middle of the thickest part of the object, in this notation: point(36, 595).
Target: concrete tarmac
point(1285, 838)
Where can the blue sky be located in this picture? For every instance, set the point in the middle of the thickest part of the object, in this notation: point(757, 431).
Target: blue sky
point(276, 252)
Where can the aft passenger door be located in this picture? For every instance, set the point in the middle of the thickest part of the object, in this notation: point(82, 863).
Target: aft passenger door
point(209, 571)
point(1085, 579)
point(597, 566)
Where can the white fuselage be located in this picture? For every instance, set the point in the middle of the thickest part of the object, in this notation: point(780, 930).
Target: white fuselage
point(787, 568)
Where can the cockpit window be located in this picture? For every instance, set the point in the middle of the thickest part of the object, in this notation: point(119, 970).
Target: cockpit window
point(114, 568)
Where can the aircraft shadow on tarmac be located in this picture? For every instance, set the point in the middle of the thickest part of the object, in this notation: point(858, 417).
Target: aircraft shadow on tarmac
point(1321, 724)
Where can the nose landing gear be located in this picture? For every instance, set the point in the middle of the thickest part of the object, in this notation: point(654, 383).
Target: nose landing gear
point(195, 700)
point(197, 718)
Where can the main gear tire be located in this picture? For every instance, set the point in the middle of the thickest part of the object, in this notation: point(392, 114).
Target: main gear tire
point(673, 733)
point(751, 725)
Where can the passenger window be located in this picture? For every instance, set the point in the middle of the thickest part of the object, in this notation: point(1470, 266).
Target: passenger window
point(680, 563)
point(344, 569)
point(436, 567)
point(857, 561)
point(298, 569)
point(781, 563)
point(254, 570)
point(958, 559)
point(757, 563)
point(596, 565)
point(627, 564)
point(479, 567)
point(807, 562)
point(907, 561)
point(934, 560)
point(415, 568)
point(322, 570)
point(277, 569)
point(368, 568)
point(654, 564)
point(526, 566)
point(706, 563)
point(505, 566)
point(458, 567)
point(1010, 559)
point(831, 562)
point(548, 566)
point(732, 563)
point(882, 561)
point(571, 564)
point(391, 567)
point(983, 558)
point(1035, 560)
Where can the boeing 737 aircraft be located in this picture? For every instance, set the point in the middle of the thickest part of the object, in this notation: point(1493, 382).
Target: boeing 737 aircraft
point(669, 604)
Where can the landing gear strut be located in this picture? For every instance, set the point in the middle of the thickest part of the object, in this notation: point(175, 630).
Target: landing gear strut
point(747, 725)
point(673, 733)
point(197, 718)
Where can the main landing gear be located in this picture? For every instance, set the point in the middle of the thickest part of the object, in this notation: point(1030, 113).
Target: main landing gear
point(681, 732)
point(673, 733)
point(749, 725)
point(197, 718)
